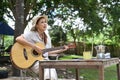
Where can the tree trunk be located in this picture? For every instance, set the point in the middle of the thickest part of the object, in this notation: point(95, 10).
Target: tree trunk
point(19, 26)
point(19, 18)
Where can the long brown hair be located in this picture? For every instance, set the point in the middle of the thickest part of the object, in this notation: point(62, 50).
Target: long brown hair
point(44, 36)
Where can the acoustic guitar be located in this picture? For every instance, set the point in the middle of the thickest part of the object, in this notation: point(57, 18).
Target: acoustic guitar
point(24, 57)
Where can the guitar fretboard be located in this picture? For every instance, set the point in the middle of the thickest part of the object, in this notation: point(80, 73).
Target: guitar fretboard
point(52, 49)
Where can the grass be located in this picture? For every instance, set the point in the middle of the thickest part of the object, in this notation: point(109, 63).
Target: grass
point(92, 74)
point(110, 73)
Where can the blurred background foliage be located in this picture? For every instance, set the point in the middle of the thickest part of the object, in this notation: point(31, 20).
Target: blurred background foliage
point(85, 22)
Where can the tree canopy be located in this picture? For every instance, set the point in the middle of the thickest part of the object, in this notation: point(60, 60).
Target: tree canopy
point(98, 16)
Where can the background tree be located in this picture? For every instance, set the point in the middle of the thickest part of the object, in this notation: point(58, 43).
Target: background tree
point(3, 10)
point(97, 16)
point(19, 17)
point(92, 12)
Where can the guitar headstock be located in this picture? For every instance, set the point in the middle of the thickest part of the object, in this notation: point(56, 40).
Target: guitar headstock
point(72, 45)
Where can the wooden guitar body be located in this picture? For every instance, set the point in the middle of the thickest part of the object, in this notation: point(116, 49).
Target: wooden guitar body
point(23, 57)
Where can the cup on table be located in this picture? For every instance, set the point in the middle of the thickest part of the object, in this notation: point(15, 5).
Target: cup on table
point(87, 55)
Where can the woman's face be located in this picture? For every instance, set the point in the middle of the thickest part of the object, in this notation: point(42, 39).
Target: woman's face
point(41, 25)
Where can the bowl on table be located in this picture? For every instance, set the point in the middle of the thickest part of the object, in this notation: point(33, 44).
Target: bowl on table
point(53, 56)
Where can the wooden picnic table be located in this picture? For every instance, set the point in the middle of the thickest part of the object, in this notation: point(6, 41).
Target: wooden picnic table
point(99, 64)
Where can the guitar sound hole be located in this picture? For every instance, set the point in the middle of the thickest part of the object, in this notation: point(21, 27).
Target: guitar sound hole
point(35, 53)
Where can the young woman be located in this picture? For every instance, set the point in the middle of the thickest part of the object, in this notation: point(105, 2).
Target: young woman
point(37, 34)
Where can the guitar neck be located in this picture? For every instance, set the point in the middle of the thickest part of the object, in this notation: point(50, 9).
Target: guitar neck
point(52, 49)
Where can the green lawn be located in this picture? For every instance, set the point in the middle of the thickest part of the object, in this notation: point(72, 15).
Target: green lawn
point(92, 74)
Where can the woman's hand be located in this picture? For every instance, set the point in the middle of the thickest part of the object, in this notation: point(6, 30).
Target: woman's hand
point(65, 48)
point(37, 49)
